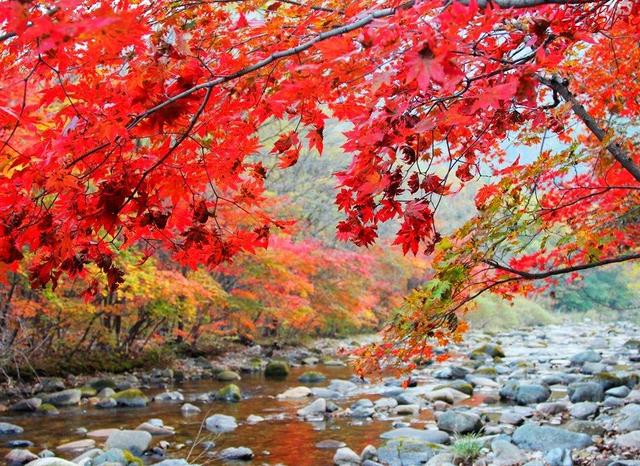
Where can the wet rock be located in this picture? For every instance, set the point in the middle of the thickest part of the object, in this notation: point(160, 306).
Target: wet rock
point(88, 457)
point(585, 356)
point(619, 392)
point(221, 423)
point(369, 453)
point(545, 438)
point(552, 408)
point(584, 410)
point(51, 384)
point(506, 453)
point(253, 419)
point(131, 398)
point(19, 443)
point(405, 410)
point(459, 422)
point(47, 409)
point(136, 441)
point(227, 376)
point(188, 408)
point(527, 394)
point(46, 454)
point(630, 440)
point(106, 403)
point(585, 427)
point(312, 377)
point(405, 451)
point(169, 396)
point(585, 391)
point(78, 446)
point(63, 398)
point(488, 349)
point(321, 392)
point(111, 456)
point(385, 403)
point(173, 462)
point(430, 435)
point(330, 444)
point(613, 402)
point(276, 370)
point(51, 462)
point(155, 429)
point(593, 368)
point(18, 457)
point(295, 392)
point(6, 428)
point(451, 372)
point(461, 386)
point(229, 393)
point(106, 392)
point(343, 387)
point(346, 457)
point(101, 433)
point(101, 384)
point(512, 417)
point(28, 405)
point(441, 459)
point(237, 453)
point(448, 395)
point(559, 457)
point(310, 361)
point(509, 389)
point(362, 408)
point(318, 407)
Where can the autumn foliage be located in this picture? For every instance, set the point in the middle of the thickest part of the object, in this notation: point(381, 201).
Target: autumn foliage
point(135, 125)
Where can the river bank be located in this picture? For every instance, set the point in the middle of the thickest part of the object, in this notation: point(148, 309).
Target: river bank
point(558, 395)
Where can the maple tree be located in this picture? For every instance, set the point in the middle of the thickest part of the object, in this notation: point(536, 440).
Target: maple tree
point(134, 124)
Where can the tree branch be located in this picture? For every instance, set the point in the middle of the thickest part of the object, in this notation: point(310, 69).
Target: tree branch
point(550, 273)
point(561, 87)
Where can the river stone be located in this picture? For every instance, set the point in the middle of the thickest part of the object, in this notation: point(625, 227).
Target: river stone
point(69, 397)
point(607, 380)
point(330, 444)
point(559, 457)
point(506, 453)
point(630, 440)
point(227, 376)
point(385, 403)
point(28, 405)
point(448, 395)
point(451, 372)
point(253, 419)
point(619, 392)
point(136, 441)
point(239, 453)
point(169, 396)
point(489, 349)
point(114, 456)
point(362, 409)
point(629, 422)
point(545, 438)
point(229, 393)
point(19, 456)
point(585, 427)
point(312, 377)
point(369, 453)
point(276, 370)
point(342, 386)
point(131, 398)
point(106, 392)
point(51, 384)
point(425, 435)
point(459, 422)
point(584, 409)
point(221, 423)
point(585, 356)
point(295, 392)
point(19, 443)
point(461, 386)
point(106, 403)
point(188, 408)
point(551, 408)
point(509, 389)
point(346, 456)
point(318, 407)
point(78, 446)
point(101, 433)
point(406, 410)
point(591, 368)
point(527, 394)
point(154, 429)
point(173, 462)
point(51, 462)
point(405, 452)
point(7, 428)
point(310, 361)
point(87, 458)
point(585, 391)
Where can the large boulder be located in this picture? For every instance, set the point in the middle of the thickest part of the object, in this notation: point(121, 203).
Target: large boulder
point(459, 422)
point(131, 398)
point(63, 398)
point(544, 438)
point(220, 423)
point(136, 441)
point(527, 394)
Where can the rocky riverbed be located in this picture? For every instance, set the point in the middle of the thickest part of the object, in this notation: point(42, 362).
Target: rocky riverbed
point(556, 395)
